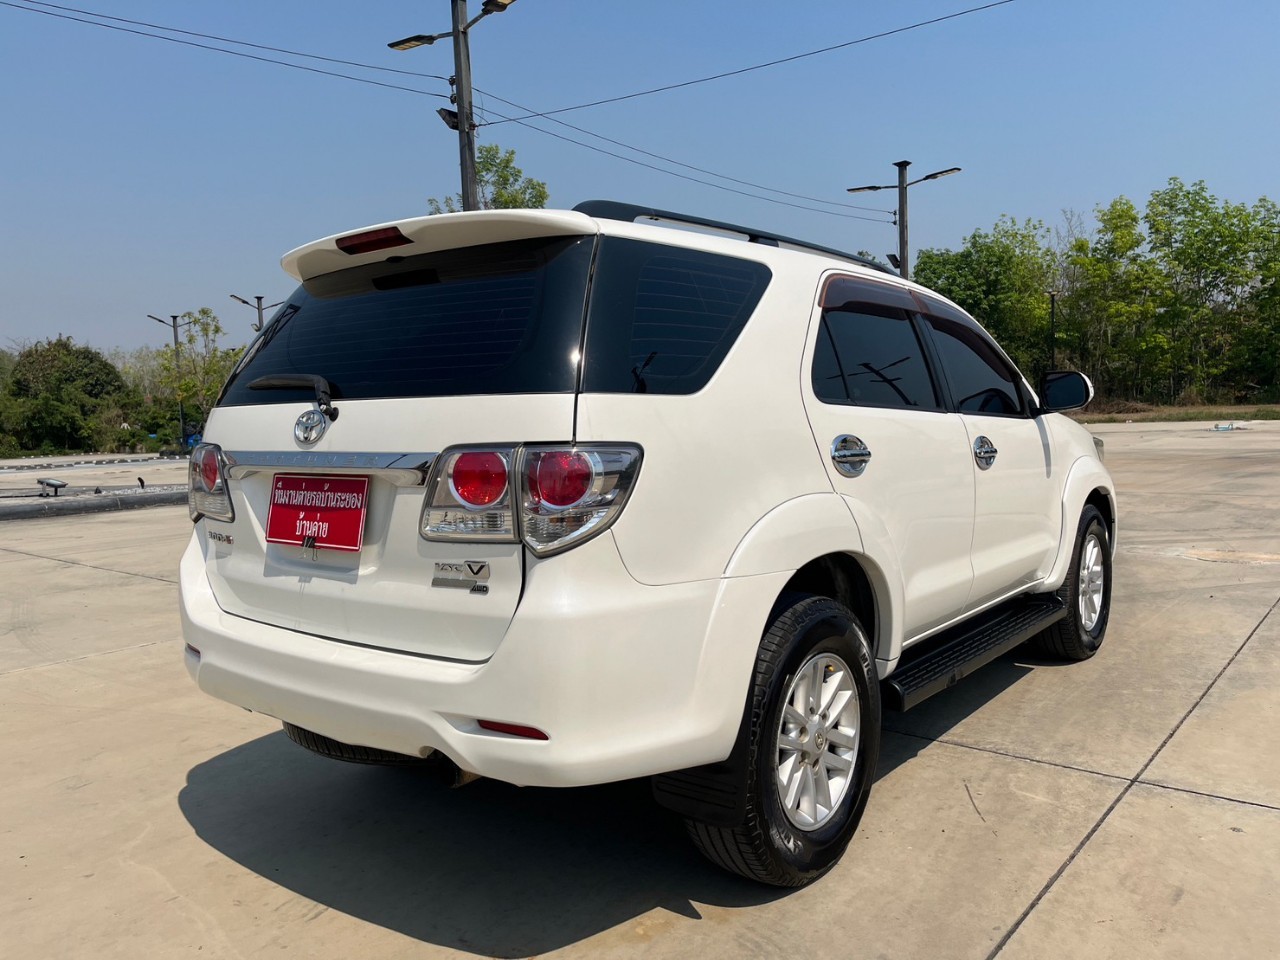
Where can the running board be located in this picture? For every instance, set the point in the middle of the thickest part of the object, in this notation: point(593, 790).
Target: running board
point(960, 651)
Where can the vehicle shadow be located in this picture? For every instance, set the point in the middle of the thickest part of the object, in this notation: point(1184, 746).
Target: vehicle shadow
point(489, 868)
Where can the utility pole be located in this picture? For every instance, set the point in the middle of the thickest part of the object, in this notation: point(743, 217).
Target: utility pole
point(466, 127)
point(257, 306)
point(182, 416)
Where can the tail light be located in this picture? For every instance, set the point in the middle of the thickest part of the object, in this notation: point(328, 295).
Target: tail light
point(207, 493)
point(570, 494)
point(469, 496)
point(550, 496)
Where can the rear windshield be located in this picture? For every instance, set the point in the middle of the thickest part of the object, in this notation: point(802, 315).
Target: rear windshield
point(508, 318)
point(499, 318)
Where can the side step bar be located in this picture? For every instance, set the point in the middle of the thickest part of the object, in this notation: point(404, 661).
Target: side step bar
point(960, 651)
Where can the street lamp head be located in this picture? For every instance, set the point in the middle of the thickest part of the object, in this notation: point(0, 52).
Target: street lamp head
point(241, 300)
point(864, 189)
point(496, 6)
point(157, 319)
point(941, 173)
point(417, 40)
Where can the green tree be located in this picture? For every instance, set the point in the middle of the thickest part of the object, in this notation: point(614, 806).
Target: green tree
point(1002, 277)
point(201, 367)
point(500, 183)
point(1206, 250)
point(1111, 304)
point(57, 393)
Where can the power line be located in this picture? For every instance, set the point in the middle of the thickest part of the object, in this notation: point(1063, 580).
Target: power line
point(503, 118)
point(369, 66)
point(762, 66)
point(239, 43)
point(230, 53)
point(682, 176)
point(687, 166)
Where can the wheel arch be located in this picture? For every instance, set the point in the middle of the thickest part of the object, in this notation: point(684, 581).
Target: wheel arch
point(817, 540)
point(1088, 484)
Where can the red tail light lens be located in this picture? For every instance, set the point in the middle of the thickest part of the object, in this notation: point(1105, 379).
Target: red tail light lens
point(559, 478)
point(209, 472)
point(479, 478)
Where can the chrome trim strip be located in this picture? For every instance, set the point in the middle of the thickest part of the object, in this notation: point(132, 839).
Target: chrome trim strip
point(402, 469)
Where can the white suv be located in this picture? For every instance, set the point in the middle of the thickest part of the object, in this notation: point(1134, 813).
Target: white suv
point(561, 498)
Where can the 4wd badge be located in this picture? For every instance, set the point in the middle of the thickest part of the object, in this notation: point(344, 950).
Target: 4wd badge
point(470, 575)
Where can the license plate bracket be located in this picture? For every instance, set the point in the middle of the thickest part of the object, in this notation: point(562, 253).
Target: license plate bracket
point(318, 511)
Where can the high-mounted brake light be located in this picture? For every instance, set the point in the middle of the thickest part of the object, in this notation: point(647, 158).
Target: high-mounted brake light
point(381, 239)
point(207, 493)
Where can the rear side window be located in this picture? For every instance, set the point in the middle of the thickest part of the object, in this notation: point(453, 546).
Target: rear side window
point(493, 319)
point(663, 318)
point(870, 356)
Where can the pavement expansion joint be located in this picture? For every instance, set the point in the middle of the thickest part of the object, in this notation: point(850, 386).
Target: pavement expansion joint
point(87, 656)
point(1137, 778)
point(91, 566)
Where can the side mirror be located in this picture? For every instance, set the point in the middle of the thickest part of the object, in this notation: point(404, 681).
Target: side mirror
point(1064, 390)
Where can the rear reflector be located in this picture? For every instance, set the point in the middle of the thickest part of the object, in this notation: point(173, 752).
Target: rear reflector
point(515, 729)
point(371, 240)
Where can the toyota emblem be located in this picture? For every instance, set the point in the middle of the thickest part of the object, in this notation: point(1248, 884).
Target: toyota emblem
point(310, 426)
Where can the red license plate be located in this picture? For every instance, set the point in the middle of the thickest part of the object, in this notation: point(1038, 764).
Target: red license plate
point(314, 511)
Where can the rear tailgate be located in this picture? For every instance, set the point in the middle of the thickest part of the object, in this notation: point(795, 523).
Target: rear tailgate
point(382, 595)
point(466, 330)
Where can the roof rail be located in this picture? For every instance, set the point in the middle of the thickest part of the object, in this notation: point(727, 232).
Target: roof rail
point(630, 212)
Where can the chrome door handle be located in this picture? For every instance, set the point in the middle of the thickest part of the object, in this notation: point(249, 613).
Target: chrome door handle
point(984, 451)
point(850, 455)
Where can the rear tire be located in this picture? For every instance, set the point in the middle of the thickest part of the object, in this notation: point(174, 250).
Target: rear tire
point(1086, 592)
point(813, 725)
point(346, 752)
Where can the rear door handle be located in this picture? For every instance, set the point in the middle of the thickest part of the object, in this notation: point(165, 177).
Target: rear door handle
point(850, 455)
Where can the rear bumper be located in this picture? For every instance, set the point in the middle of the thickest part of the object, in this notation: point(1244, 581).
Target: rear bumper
point(625, 679)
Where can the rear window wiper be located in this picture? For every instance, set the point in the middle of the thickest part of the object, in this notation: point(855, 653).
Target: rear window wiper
point(297, 381)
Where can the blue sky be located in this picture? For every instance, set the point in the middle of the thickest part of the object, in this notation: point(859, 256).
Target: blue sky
point(139, 176)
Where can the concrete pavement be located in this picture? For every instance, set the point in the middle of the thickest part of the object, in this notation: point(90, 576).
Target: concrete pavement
point(1124, 807)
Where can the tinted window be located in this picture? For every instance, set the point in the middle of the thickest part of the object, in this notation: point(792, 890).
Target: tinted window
point(870, 356)
point(492, 319)
point(663, 318)
point(980, 379)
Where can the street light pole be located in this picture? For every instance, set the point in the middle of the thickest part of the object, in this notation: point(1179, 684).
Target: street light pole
point(901, 213)
point(182, 416)
point(902, 218)
point(1053, 329)
point(466, 129)
point(463, 122)
point(257, 306)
